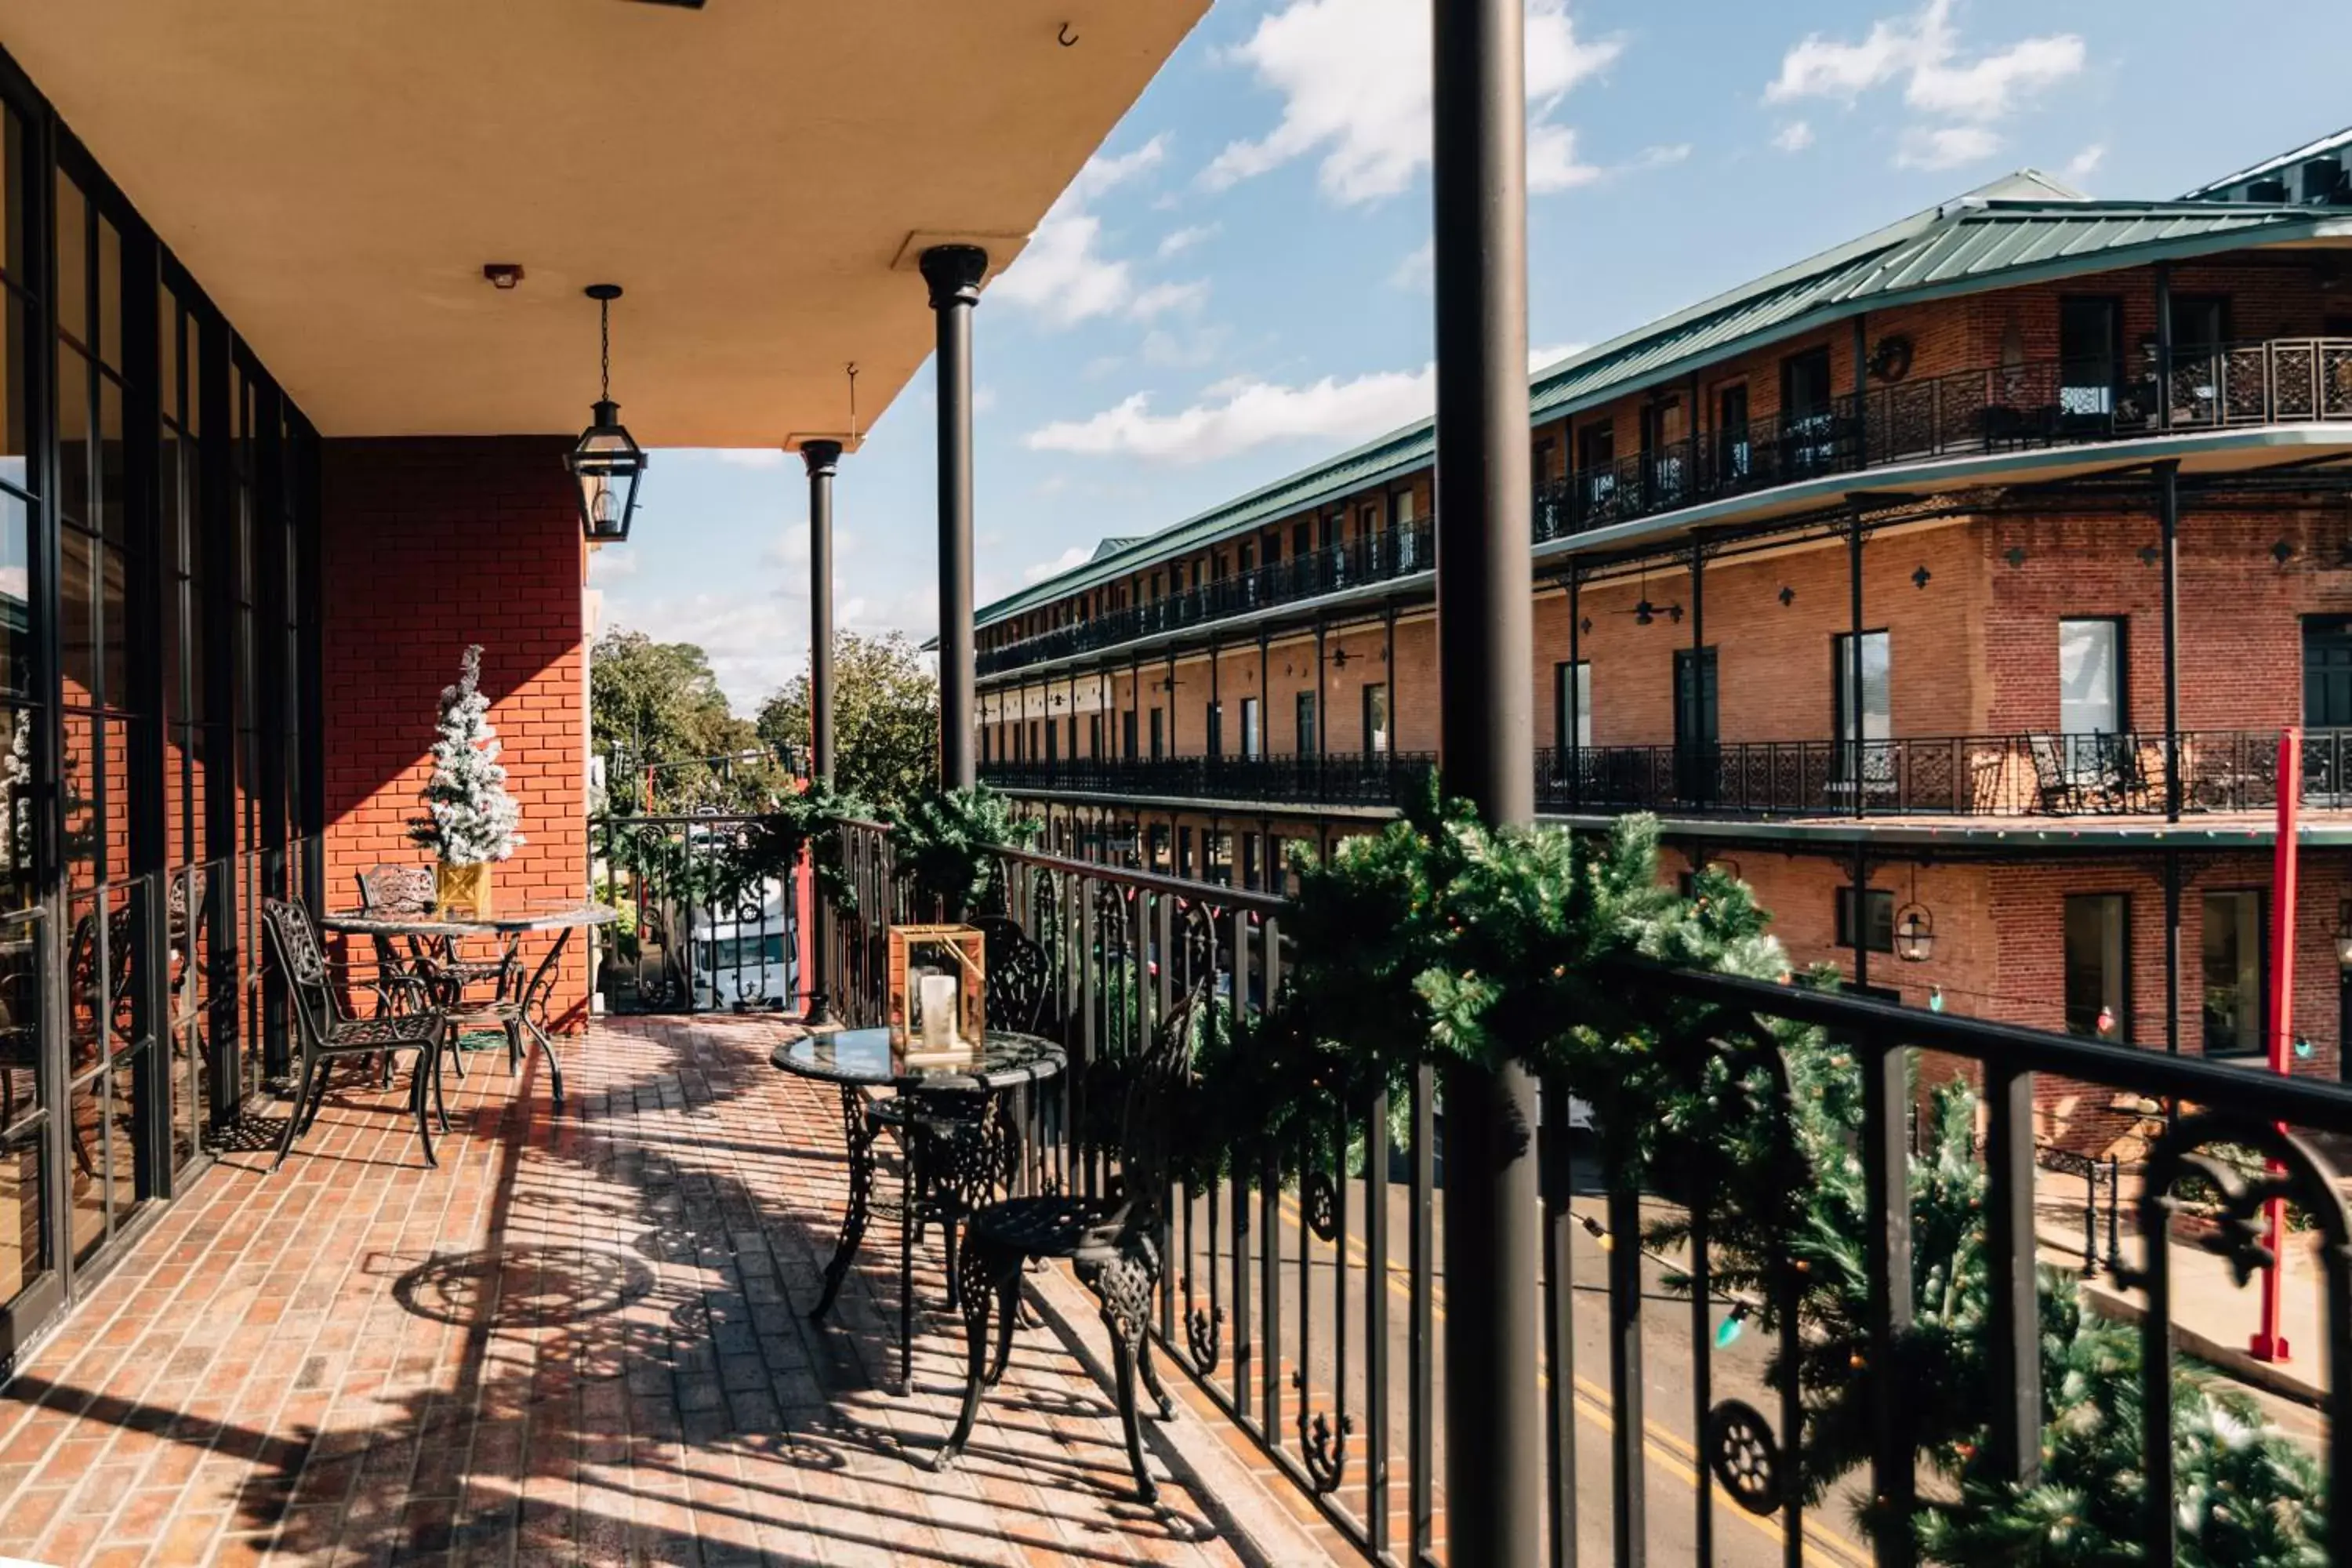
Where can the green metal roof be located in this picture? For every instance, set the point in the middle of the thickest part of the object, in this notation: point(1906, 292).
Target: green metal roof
point(2020, 228)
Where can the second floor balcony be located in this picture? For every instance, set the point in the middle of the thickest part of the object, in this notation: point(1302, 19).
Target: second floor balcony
point(1989, 411)
point(2027, 775)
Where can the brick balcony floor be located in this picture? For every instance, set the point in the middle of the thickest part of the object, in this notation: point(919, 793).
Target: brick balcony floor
point(578, 1341)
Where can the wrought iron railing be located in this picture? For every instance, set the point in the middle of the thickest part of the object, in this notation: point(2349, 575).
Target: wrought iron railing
point(695, 933)
point(1337, 778)
point(2044, 775)
point(2029, 774)
point(1404, 551)
point(1306, 1310)
point(1998, 408)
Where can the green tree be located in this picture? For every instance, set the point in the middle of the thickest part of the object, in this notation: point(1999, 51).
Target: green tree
point(885, 719)
point(656, 706)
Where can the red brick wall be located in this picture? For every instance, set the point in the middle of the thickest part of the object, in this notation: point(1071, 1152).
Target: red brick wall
point(432, 544)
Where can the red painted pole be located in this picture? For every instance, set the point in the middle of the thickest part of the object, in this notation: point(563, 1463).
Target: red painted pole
point(2269, 1343)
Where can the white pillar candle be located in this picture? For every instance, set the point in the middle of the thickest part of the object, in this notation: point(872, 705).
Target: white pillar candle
point(938, 1011)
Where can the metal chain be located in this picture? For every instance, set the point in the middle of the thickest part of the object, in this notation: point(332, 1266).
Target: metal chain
point(604, 342)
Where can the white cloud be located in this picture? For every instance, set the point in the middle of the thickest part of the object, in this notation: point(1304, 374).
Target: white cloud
point(1188, 349)
point(1178, 241)
point(751, 456)
point(1794, 137)
point(1076, 555)
point(1418, 270)
point(1944, 146)
point(1923, 51)
point(2087, 162)
point(1237, 415)
point(1551, 160)
point(1658, 157)
point(1354, 77)
point(1551, 354)
point(1064, 275)
point(1100, 174)
point(607, 564)
point(1158, 299)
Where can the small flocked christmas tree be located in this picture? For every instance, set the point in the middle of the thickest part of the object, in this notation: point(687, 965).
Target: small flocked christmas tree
point(470, 819)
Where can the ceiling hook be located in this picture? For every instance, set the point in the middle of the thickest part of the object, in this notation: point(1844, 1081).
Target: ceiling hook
point(1064, 39)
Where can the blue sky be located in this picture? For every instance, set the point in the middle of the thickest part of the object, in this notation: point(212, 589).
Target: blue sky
point(1237, 285)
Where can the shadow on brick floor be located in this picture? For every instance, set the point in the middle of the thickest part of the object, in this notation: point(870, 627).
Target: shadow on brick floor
point(576, 1342)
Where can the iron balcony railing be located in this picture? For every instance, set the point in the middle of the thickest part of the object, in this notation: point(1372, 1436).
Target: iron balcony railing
point(1307, 1308)
point(1972, 413)
point(1384, 557)
point(2030, 775)
point(1350, 778)
point(2043, 774)
point(696, 934)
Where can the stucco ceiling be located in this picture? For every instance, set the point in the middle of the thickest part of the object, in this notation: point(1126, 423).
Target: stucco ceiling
point(336, 173)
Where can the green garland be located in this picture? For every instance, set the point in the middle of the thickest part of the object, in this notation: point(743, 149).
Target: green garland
point(1440, 939)
point(947, 844)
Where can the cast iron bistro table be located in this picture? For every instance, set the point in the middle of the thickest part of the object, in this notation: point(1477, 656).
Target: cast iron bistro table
point(516, 1007)
point(953, 1146)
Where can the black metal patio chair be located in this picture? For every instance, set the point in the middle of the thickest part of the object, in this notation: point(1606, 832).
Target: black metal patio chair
point(329, 1030)
point(1113, 1242)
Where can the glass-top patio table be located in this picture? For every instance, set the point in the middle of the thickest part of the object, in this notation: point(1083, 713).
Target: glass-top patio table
point(520, 1005)
point(960, 1144)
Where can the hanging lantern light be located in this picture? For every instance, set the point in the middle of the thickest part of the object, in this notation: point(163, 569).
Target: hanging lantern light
point(1915, 934)
point(1915, 928)
point(2343, 933)
point(606, 460)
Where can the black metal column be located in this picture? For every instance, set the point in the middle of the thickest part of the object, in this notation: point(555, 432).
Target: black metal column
point(2167, 517)
point(2172, 952)
point(953, 272)
point(1853, 670)
point(1568, 750)
point(1700, 762)
point(2163, 270)
point(821, 459)
point(1494, 1408)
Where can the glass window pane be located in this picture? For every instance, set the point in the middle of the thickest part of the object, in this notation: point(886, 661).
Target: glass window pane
point(2233, 972)
point(13, 441)
point(107, 504)
point(18, 776)
point(24, 1233)
point(12, 192)
point(2090, 679)
point(167, 352)
point(77, 622)
point(73, 260)
point(17, 655)
point(113, 630)
point(20, 1047)
point(73, 435)
point(2096, 964)
point(89, 1175)
point(83, 837)
point(110, 295)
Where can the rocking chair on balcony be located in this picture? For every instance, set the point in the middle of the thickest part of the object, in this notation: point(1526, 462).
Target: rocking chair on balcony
point(1112, 1241)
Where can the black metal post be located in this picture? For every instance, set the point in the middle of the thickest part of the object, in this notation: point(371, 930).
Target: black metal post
point(2172, 952)
point(953, 272)
point(2167, 510)
point(2163, 270)
point(1700, 762)
point(821, 459)
point(1567, 747)
point(1494, 1410)
point(1853, 672)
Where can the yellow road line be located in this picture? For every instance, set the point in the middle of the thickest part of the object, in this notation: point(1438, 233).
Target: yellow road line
point(1673, 1452)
